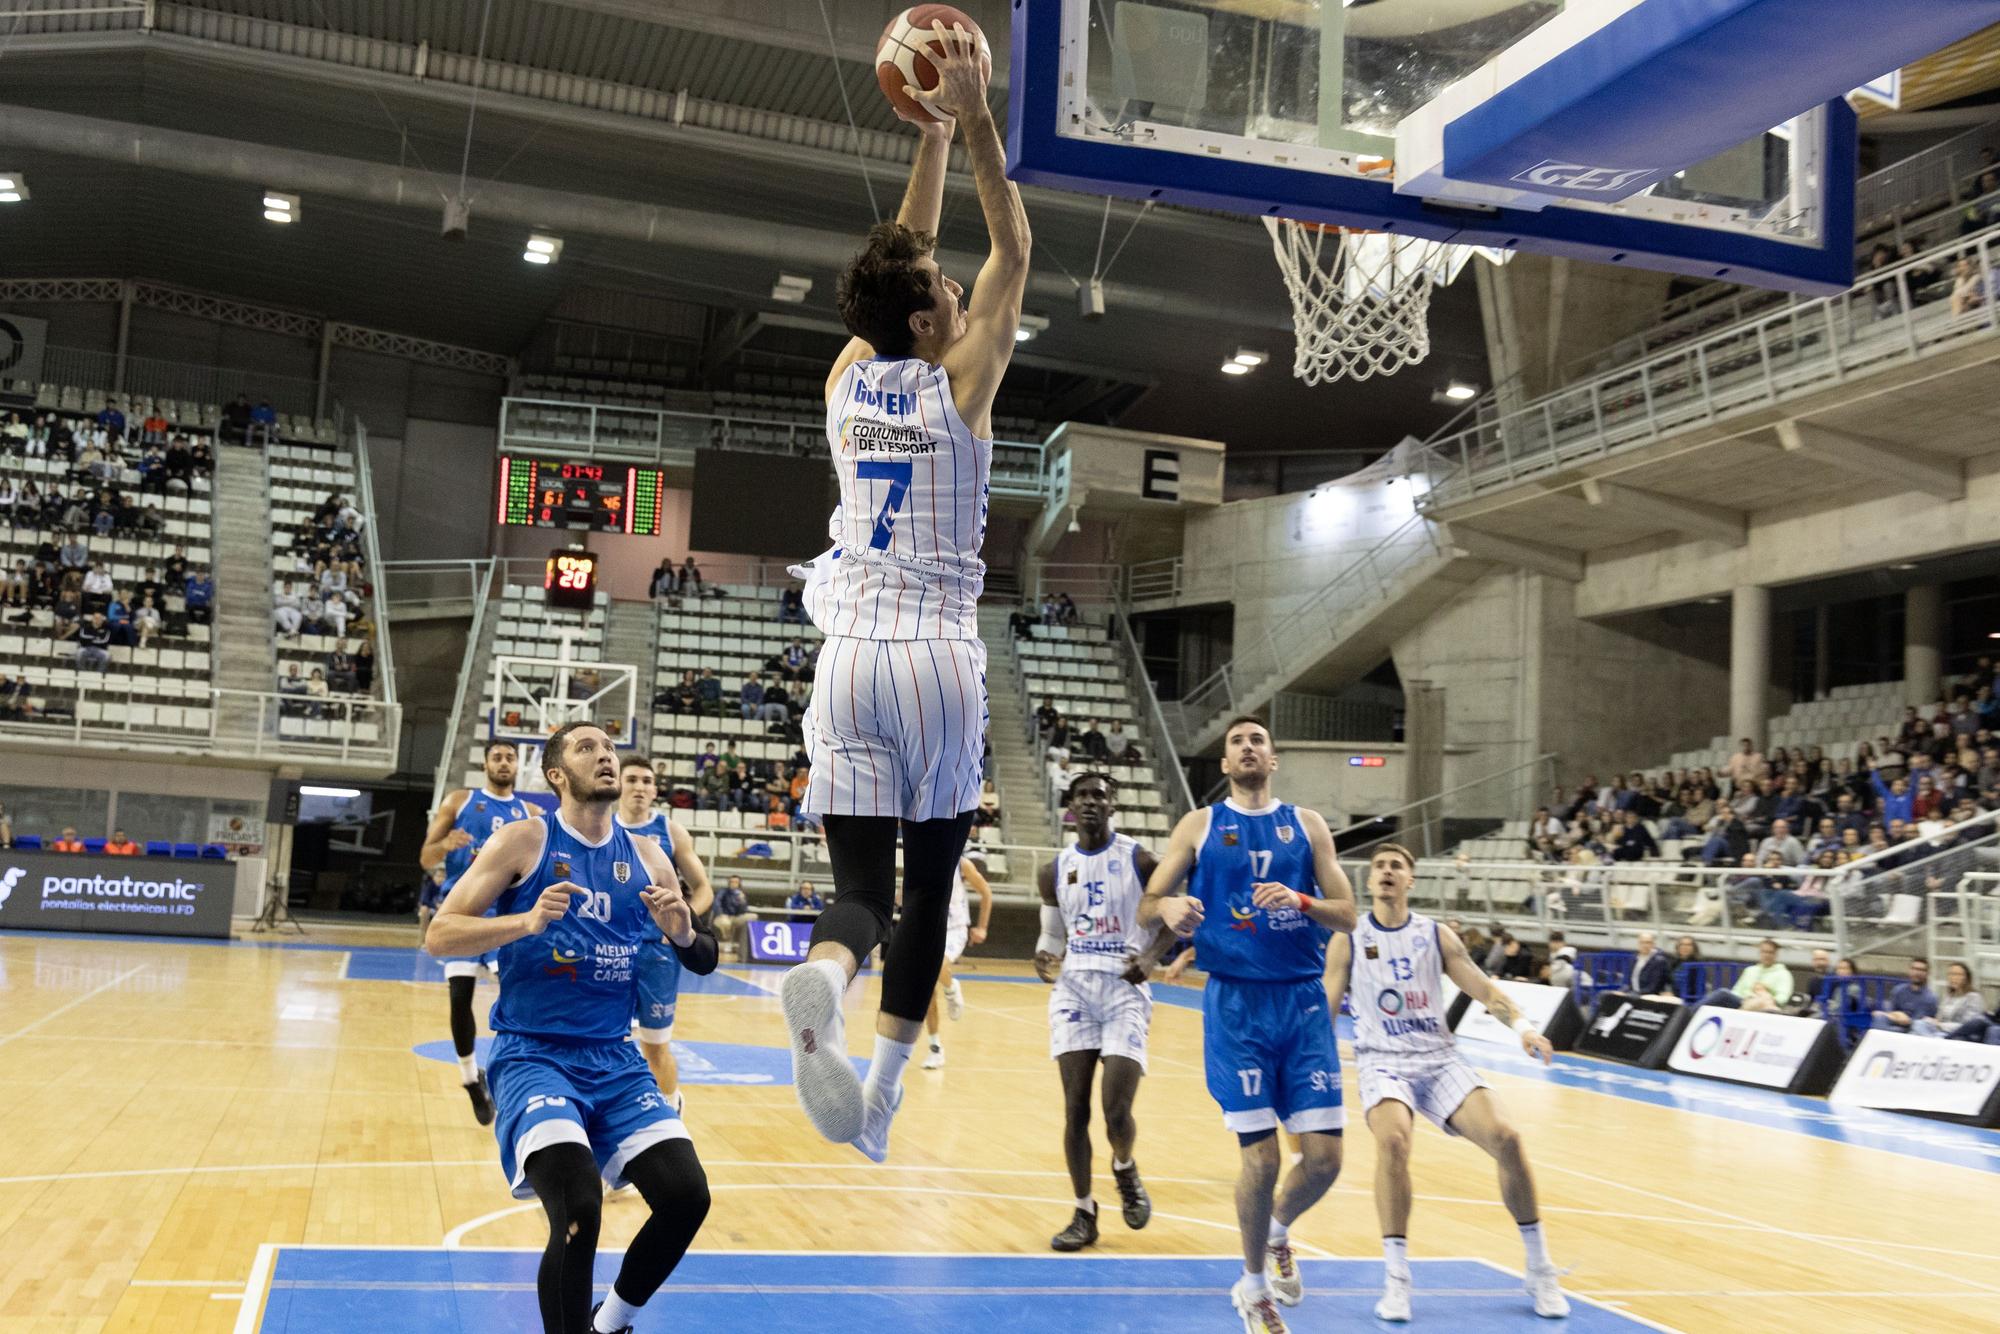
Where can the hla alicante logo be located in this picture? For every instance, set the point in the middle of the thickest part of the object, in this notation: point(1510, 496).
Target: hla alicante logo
point(1932, 1070)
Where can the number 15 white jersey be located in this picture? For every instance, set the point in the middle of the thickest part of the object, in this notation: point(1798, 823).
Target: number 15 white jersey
point(912, 515)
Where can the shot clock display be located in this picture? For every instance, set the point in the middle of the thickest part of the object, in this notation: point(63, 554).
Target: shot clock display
point(571, 580)
point(605, 498)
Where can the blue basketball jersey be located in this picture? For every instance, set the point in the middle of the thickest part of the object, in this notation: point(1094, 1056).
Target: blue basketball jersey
point(574, 983)
point(656, 949)
point(481, 816)
point(1238, 940)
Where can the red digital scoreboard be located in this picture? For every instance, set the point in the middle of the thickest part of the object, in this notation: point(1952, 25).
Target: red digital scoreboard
point(602, 497)
point(571, 579)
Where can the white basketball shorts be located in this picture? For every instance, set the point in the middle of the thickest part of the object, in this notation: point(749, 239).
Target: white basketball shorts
point(954, 942)
point(1435, 1084)
point(1095, 1010)
point(896, 727)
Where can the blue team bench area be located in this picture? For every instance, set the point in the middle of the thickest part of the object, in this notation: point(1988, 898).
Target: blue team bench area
point(338, 1290)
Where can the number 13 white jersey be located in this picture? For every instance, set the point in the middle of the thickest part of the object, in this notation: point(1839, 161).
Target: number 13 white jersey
point(912, 516)
point(1395, 989)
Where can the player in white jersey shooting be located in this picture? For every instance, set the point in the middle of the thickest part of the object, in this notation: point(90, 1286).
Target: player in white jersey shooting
point(960, 931)
point(1102, 1006)
point(897, 725)
point(1409, 1063)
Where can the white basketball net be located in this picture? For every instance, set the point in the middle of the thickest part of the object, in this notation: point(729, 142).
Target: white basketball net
point(1361, 300)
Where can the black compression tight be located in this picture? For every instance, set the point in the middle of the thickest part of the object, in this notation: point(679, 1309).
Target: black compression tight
point(863, 851)
point(464, 1028)
point(564, 1176)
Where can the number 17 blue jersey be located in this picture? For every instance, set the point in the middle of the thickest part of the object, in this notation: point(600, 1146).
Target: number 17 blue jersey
point(1238, 940)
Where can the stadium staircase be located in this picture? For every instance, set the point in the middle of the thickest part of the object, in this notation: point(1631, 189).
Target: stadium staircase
point(632, 635)
point(1336, 636)
point(1017, 773)
point(464, 752)
point(246, 650)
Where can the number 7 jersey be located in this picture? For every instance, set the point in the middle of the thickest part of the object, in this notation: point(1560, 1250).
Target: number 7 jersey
point(911, 520)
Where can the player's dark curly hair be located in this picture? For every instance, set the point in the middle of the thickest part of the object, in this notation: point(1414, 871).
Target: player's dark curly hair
point(1091, 776)
point(883, 287)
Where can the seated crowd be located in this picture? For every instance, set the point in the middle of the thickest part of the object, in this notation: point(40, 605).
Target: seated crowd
point(327, 593)
point(1791, 820)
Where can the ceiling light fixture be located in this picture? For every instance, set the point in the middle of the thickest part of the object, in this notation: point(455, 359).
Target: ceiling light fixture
point(280, 207)
point(13, 187)
point(308, 790)
point(542, 248)
point(1904, 565)
point(1030, 326)
point(1234, 368)
point(791, 288)
point(1245, 357)
point(1458, 391)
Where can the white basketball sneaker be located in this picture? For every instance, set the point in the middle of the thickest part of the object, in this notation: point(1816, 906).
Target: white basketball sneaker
point(935, 1061)
point(1545, 1286)
point(1259, 1310)
point(873, 1141)
point(827, 1086)
point(1395, 1303)
point(954, 1001)
point(1281, 1268)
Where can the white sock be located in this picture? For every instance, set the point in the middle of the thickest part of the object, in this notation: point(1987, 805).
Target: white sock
point(937, 1044)
point(1279, 1232)
point(1537, 1247)
point(468, 1069)
point(885, 1072)
point(835, 974)
point(1253, 1282)
point(1117, 1166)
point(1087, 1204)
point(615, 1314)
point(1396, 1255)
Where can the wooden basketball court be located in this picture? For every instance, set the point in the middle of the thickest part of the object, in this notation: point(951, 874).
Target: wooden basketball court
point(245, 1136)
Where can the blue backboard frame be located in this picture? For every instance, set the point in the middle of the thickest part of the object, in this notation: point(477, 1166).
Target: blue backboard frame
point(1038, 154)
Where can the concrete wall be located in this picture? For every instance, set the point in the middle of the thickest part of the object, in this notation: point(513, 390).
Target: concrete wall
point(1796, 543)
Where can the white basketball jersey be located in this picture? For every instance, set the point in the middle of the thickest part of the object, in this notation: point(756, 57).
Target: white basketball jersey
point(912, 515)
point(1395, 989)
point(1098, 894)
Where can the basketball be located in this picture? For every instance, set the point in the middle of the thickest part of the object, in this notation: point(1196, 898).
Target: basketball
point(903, 58)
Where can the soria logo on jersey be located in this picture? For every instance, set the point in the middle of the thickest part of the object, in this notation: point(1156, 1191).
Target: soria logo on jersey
point(1246, 919)
point(565, 963)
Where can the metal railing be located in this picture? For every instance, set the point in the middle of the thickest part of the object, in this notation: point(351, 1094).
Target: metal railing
point(1154, 581)
point(1964, 924)
point(364, 492)
point(327, 728)
point(479, 576)
point(661, 437)
point(1742, 368)
point(1297, 716)
point(1299, 635)
point(1938, 172)
point(1434, 825)
point(185, 382)
point(1871, 905)
point(429, 583)
point(1180, 798)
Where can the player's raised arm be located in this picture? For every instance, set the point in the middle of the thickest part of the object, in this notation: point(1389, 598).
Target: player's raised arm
point(1339, 960)
point(977, 361)
point(923, 201)
point(1164, 903)
point(442, 838)
point(462, 928)
point(668, 904)
point(694, 876)
point(1470, 978)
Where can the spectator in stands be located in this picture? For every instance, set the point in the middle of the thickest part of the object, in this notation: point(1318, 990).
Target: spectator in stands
point(340, 669)
point(69, 842)
point(1515, 960)
point(68, 606)
point(795, 787)
point(111, 419)
point(795, 663)
point(1780, 843)
point(1895, 799)
point(1961, 1004)
point(1745, 763)
point(777, 707)
point(1050, 610)
point(287, 613)
point(708, 693)
point(713, 788)
point(291, 682)
point(121, 845)
point(1652, 971)
point(753, 695)
point(690, 577)
point(1634, 841)
point(664, 585)
point(1967, 292)
point(791, 607)
point(1021, 622)
point(1091, 741)
point(1560, 970)
point(1065, 609)
point(806, 899)
point(74, 553)
point(236, 421)
point(1116, 742)
point(732, 912)
point(1061, 775)
point(1048, 715)
point(1909, 1001)
point(1764, 985)
point(13, 705)
point(200, 594)
point(18, 580)
point(263, 424)
point(93, 644)
point(118, 617)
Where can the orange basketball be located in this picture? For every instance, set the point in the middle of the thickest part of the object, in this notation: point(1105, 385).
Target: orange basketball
point(903, 58)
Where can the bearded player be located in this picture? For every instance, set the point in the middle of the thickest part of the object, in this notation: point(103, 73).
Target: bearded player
point(567, 901)
point(1265, 894)
point(1102, 1006)
point(1409, 1064)
point(897, 724)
